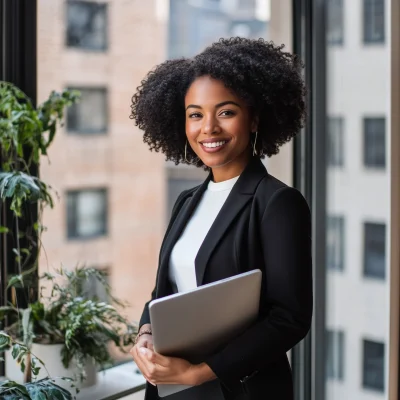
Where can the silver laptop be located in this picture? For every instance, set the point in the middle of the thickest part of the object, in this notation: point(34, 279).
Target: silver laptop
point(195, 324)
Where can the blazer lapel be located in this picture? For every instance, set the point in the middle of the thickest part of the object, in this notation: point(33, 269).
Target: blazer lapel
point(175, 232)
point(240, 195)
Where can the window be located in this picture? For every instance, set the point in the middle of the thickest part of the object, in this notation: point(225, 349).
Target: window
point(374, 21)
point(87, 25)
point(334, 354)
point(335, 142)
point(89, 116)
point(334, 34)
point(375, 142)
point(374, 250)
point(373, 365)
point(335, 242)
point(87, 213)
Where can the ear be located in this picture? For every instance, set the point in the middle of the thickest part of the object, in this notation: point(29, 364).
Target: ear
point(254, 123)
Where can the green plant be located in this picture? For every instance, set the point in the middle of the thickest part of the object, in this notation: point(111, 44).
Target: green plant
point(26, 132)
point(42, 389)
point(70, 316)
point(67, 315)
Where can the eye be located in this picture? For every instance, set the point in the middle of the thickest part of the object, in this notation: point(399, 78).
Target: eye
point(227, 113)
point(195, 115)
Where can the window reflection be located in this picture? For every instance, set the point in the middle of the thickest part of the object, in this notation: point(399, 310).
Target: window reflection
point(357, 200)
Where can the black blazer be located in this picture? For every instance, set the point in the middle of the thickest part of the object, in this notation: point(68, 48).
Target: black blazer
point(263, 224)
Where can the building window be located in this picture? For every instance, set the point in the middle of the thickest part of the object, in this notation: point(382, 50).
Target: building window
point(87, 25)
point(335, 142)
point(89, 116)
point(375, 142)
point(335, 242)
point(374, 21)
point(87, 213)
point(373, 365)
point(374, 250)
point(335, 22)
point(335, 355)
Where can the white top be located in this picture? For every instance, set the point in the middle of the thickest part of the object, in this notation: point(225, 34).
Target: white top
point(181, 266)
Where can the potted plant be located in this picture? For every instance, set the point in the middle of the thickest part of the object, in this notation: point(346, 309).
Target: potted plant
point(69, 328)
point(65, 317)
point(43, 389)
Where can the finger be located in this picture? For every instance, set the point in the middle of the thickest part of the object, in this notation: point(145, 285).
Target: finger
point(155, 358)
point(148, 343)
point(145, 367)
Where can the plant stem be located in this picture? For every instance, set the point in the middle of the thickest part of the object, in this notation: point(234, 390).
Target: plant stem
point(28, 370)
point(18, 247)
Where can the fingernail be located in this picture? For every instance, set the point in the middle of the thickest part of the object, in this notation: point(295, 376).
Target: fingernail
point(143, 350)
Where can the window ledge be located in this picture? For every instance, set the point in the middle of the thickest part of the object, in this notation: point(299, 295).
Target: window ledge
point(115, 383)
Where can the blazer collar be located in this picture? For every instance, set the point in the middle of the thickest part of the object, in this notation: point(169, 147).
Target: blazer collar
point(239, 196)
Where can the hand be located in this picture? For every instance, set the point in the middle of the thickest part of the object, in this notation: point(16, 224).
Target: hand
point(158, 369)
point(145, 340)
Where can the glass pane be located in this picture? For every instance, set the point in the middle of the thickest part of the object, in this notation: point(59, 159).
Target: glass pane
point(358, 194)
point(374, 21)
point(129, 39)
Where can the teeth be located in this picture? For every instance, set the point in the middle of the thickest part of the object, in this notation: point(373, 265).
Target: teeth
point(214, 144)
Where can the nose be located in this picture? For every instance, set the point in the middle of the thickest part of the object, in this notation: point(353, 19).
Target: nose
point(210, 125)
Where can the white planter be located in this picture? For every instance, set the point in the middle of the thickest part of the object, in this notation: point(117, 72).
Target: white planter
point(50, 354)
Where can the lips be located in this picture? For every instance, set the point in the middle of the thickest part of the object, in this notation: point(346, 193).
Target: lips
point(212, 146)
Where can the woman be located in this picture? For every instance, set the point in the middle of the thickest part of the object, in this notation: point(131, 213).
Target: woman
point(236, 102)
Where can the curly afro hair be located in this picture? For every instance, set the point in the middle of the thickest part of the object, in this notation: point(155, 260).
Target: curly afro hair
point(259, 72)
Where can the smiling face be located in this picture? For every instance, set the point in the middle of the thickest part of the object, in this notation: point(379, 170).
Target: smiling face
point(218, 127)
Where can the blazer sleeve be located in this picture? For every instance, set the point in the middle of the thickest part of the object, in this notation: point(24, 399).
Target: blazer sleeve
point(285, 234)
point(145, 318)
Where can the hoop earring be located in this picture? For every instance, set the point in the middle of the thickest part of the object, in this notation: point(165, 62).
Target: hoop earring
point(254, 145)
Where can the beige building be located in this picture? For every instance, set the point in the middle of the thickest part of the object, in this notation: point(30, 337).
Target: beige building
point(111, 207)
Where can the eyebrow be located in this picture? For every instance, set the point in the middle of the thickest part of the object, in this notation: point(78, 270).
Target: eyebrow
point(224, 103)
